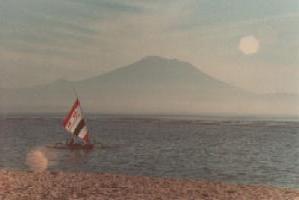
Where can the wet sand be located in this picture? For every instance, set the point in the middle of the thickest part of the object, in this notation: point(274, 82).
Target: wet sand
point(66, 185)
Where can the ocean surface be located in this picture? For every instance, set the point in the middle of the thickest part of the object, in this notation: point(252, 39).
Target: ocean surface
point(235, 150)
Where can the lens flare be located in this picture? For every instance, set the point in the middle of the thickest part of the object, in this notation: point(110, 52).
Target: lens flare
point(249, 45)
point(37, 160)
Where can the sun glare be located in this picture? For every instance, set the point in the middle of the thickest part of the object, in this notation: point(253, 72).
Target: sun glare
point(249, 45)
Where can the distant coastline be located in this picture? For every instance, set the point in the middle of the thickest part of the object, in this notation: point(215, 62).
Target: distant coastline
point(203, 116)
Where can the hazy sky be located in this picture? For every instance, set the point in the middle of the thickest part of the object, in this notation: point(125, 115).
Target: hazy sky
point(252, 44)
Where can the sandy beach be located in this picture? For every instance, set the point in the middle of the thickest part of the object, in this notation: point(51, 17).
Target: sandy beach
point(67, 185)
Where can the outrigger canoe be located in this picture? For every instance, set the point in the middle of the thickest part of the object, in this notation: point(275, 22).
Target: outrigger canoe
point(72, 146)
point(74, 123)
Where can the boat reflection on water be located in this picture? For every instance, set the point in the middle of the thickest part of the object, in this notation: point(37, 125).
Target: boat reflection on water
point(78, 156)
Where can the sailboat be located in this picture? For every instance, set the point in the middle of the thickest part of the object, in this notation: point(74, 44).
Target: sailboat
point(75, 124)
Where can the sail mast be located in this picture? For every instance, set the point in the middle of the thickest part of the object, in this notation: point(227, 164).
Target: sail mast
point(77, 97)
point(75, 92)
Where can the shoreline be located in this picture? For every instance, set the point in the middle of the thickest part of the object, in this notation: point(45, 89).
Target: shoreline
point(90, 185)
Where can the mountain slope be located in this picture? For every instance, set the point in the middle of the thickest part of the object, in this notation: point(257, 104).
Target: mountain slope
point(158, 75)
point(151, 85)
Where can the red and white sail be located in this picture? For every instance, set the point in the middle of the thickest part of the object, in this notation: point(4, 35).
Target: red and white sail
point(75, 124)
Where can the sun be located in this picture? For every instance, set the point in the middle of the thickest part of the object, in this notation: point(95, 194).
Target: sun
point(249, 44)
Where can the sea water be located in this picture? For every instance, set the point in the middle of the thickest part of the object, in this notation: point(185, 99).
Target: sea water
point(236, 150)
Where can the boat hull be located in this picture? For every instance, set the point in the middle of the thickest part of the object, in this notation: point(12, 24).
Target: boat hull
point(72, 146)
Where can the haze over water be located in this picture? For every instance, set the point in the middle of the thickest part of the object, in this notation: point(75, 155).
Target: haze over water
point(219, 149)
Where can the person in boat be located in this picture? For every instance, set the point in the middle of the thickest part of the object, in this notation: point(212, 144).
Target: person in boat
point(72, 141)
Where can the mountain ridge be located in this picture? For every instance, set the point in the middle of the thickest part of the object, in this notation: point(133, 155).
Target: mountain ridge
point(152, 84)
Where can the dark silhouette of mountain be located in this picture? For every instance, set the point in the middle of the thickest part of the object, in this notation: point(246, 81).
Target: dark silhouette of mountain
point(151, 85)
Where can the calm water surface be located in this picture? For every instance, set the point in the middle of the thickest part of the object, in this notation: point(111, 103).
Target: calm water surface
point(231, 150)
